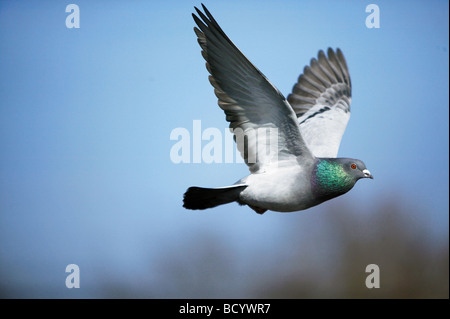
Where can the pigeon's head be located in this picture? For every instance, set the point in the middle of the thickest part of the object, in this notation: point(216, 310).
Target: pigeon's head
point(335, 176)
point(355, 168)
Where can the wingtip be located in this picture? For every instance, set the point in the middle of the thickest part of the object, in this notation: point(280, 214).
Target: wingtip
point(206, 10)
point(203, 7)
point(321, 54)
point(337, 52)
point(199, 22)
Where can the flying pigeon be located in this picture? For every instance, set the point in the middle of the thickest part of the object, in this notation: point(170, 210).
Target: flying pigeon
point(303, 171)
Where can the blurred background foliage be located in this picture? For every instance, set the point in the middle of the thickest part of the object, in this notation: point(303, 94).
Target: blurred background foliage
point(318, 256)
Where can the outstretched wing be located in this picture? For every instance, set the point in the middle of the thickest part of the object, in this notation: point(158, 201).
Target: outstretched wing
point(321, 99)
point(255, 109)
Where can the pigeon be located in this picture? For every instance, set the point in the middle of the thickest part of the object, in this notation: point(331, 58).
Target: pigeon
point(301, 169)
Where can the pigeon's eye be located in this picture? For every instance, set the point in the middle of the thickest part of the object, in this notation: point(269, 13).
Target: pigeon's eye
point(353, 166)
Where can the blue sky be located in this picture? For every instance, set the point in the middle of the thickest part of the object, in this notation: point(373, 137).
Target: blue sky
point(86, 115)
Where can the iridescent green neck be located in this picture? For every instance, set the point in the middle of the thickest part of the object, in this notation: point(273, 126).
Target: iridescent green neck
point(330, 179)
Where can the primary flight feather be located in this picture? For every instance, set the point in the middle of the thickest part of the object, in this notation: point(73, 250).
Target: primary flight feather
point(290, 145)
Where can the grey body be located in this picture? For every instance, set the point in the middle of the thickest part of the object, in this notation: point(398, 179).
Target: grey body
point(279, 189)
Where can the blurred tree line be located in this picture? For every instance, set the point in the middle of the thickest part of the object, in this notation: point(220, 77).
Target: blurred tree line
point(320, 255)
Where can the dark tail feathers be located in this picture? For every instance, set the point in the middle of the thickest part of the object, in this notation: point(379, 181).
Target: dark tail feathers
point(202, 198)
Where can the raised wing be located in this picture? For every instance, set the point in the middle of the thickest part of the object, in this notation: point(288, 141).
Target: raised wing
point(321, 99)
point(255, 109)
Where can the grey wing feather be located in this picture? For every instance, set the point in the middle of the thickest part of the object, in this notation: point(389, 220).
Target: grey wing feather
point(251, 103)
point(321, 99)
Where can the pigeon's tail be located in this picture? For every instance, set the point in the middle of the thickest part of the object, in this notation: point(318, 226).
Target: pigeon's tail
point(202, 198)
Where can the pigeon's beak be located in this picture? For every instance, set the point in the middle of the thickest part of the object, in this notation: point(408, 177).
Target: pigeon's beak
point(367, 174)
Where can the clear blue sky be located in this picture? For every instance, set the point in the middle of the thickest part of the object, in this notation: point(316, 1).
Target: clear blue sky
point(86, 116)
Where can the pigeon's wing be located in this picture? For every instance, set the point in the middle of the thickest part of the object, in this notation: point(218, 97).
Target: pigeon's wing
point(321, 99)
point(264, 124)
